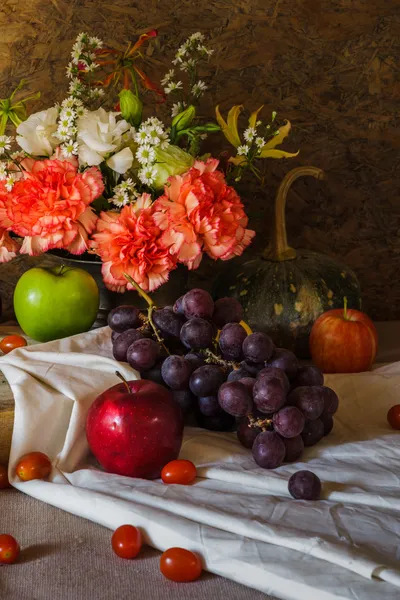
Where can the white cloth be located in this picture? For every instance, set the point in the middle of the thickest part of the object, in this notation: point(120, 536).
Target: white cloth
point(238, 517)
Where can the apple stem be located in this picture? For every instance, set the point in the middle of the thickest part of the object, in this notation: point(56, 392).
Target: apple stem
point(151, 308)
point(124, 381)
point(61, 269)
point(345, 307)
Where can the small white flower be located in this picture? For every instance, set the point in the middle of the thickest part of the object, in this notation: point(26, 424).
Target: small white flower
point(177, 108)
point(5, 143)
point(68, 102)
point(198, 88)
point(154, 121)
point(155, 135)
point(68, 113)
point(127, 185)
point(71, 70)
point(243, 150)
point(250, 134)
point(81, 38)
point(173, 86)
point(76, 55)
point(81, 111)
point(120, 198)
point(63, 133)
point(141, 137)
point(96, 93)
point(95, 42)
point(11, 179)
point(260, 142)
point(182, 51)
point(3, 171)
point(147, 175)
point(145, 154)
point(205, 51)
point(164, 141)
point(197, 37)
point(188, 64)
point(91, 67)
point(75, 87)
point(70, 148)
point(168, 77)
point(258, 123)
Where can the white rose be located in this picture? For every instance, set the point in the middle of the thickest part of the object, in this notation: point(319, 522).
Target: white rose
point(99, 135)
point(36, 134)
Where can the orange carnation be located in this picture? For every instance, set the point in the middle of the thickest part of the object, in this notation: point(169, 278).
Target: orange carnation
point(49, 206)
point(131, 242)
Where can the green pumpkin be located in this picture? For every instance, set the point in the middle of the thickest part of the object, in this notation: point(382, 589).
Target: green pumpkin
point(286, 290)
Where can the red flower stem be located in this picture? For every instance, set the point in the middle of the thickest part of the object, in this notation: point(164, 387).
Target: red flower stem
point(151, 308)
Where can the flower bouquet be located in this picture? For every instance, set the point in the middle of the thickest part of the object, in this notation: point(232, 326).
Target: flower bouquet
point(126, 187)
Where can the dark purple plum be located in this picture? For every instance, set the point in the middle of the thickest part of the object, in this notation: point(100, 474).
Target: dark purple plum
point(269, 394)
point(196, 334)
point(206, 380)
point(305, 485)
point(235, 399)
point(288, 422)
point(176, 372)
point(231, 339)
point(257, 347)
point(143, 354)
point(198, 303)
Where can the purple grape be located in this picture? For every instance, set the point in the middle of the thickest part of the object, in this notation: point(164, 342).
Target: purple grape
point(294, 448)
point(269, 394)
point(246, 434)
point(285, 360)
point(208, 406)
point(195, 360)
point(288, 422)
point(237, 374)
point(304, 485)
point(235, 399)
point(124, 317)
point(114, 335)
point(308, 375)
point(169, 323)
point(154, 374)
point(231, 339)
point(313, 431)
point(178, 308)
point(197, 333)
point(308, 399)
point(176, 372)
point(143, 354)
point(268, 450)
point(185, 399)
point(331, 401)
point(249, 383)
point(327, 422)
point(122, 343)
point(221, 422)
point(253, 369)
point(206, 380)
point(227, 310)
point(257, 347)
point(273, 372)
point(198, 303)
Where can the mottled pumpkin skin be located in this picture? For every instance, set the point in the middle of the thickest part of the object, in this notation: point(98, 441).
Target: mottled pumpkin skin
point(285, 298)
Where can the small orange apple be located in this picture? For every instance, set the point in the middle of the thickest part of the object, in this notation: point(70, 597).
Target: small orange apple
point(343, 341)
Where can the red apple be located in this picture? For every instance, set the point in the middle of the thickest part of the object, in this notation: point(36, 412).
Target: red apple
point(135, 429)
point(343, 341)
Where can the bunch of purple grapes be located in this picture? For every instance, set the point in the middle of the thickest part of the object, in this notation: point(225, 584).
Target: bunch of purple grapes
point(228, 379)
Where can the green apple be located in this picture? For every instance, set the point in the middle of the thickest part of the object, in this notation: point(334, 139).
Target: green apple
point(54, 303)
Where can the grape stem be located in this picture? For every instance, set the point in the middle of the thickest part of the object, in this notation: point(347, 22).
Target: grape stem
point(260, 423)
point(211, 357)
point(151, 307)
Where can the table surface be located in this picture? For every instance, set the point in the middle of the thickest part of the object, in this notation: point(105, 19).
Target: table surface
point(69, 558)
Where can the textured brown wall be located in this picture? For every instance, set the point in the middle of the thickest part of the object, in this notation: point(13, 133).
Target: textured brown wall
point(329, 66)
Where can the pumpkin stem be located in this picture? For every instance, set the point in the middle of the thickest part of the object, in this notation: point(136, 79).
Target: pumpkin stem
point(279, 250)
point(345, 308)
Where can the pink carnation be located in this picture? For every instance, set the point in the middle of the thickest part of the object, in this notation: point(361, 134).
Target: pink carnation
point(131, 242)
point(200, 212)
point(9, 248)
point(49, 206)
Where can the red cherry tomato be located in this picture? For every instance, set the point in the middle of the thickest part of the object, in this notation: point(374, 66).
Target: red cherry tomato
point(4, 483)
point(126, 541)
point(180, 565)
point(393, 416)
point(9, 549)
point(179, 471)
point(34, 465)
point(10, 342)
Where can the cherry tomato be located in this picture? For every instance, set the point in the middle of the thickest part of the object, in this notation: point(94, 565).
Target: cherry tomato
point(126, 541)
point(10, 342)
point(9, 549)
point(180, 565)
point(34, 465)
point(393, 416)
point(179, 471)
point(4, 483)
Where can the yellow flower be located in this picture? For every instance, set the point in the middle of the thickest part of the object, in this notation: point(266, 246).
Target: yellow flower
point(230, 130)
